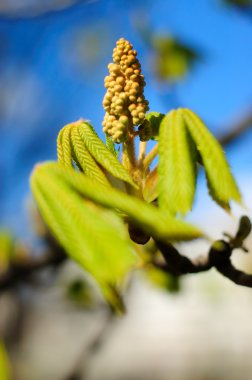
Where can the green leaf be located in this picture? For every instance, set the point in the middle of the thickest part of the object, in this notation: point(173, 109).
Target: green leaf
point(102, 154)
point(154, 118)
point(148, 217)
point(177, 166)
point(64, 149)
point(4, 364)
point(71, 148)
point(173, 58)
point(80, 292)
point(78, 142)
point(162, 280)
point(150, 127)
point(6, 250)
point(84, 159)
point(221, 183)
point(94, 237)
point(110, 145)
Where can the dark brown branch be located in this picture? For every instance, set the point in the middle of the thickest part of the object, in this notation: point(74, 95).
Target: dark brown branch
point(218, 257)
point(177, 264)
point(235, 275)
point(236, 130)
point(22, 271)
point(81, 368)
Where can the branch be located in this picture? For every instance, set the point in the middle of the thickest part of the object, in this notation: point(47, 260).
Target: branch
point(219, 257)
point(236, 130)
point(177, 264)
point(81, 368)
point(23, 270)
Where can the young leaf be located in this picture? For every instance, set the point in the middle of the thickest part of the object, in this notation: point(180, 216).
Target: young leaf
point(60, 148)
point(221, 184)
point(84, 159)
point(79, 142)
point(162, 280)
point(102, 155)
point(177, 167)
point(173, 58)
point(70, 147)
point(94, 237)
point(4, 364)
point(147, 217)
point(6, 250)
point(110, 145)
point(64, 150)
point(154, 118)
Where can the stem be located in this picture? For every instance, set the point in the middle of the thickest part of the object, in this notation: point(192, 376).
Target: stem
point(142, 152)
point(150, 156)
point(128, 155)
point(130, 162)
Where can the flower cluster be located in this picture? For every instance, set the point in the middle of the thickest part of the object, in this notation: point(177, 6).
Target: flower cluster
point(124, 101)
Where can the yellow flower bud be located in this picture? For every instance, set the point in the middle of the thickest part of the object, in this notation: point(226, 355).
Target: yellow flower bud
point(125, 86)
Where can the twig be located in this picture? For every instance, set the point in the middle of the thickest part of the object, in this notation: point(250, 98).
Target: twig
point(177, 264)
point(82, 365)
point(142, 152)
point(219, 257)
point(235, 131)
point(22, 271)
point(150, 156)
point(128, 155)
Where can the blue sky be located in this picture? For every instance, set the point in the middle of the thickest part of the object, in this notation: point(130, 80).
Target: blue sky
point(52, 69)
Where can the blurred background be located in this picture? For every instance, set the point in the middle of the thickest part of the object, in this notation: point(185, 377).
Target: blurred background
point(53, 59)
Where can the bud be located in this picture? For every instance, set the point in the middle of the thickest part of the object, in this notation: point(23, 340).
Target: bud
point(145, 131)
point(124, 99)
